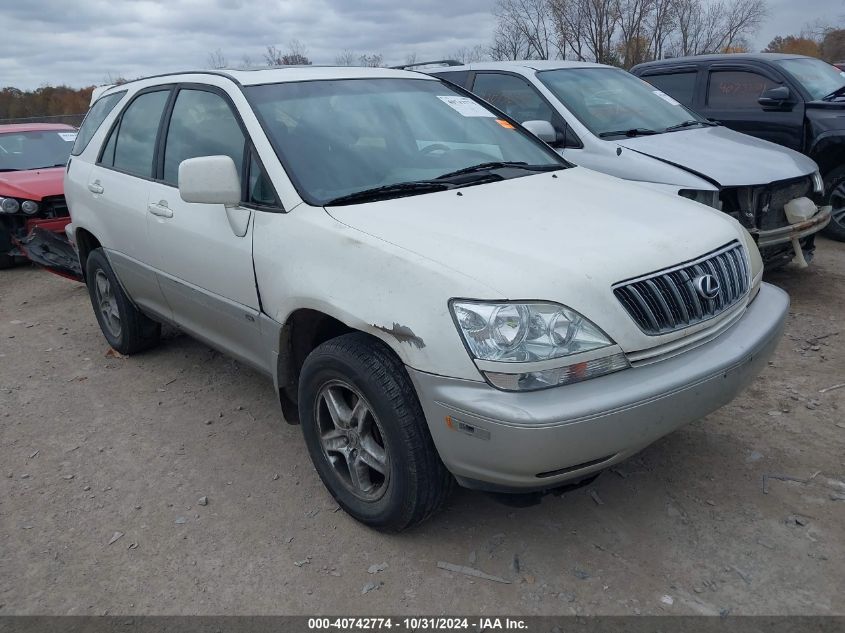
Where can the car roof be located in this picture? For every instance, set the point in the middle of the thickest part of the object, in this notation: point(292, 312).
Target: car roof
point(759, 57)
point(282, 74)
point(34, 127)
point(531, 64)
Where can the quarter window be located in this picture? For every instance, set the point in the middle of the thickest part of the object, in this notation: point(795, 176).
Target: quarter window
point(132, 143)
point(95, 117)
point(736, 89)
point(680, 86)
point(513, 96)
point(202, 124)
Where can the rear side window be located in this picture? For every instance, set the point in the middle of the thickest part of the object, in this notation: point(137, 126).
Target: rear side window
point(95, 117)
point(202, 124)
point(132, 143)
point(736, 89)
point(680, 86)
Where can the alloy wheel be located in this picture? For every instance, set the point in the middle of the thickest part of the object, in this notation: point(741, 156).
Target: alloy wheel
point(107, 304)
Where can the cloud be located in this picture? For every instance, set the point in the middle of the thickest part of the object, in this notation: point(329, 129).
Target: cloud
point(88, 42)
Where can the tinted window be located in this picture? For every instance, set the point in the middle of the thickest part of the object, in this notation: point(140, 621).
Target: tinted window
point(736, 89)
point(458, 77)
point(681, 86)
point(202, 124)
point(95, 117)
point(134, 144)
point(512, 95)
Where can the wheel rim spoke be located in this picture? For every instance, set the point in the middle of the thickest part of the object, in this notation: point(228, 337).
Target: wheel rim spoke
point(338, 409)
point(107, 304)
point(334, 440)
point(351, 439)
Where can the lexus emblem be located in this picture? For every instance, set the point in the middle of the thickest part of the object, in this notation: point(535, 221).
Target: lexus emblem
point(707, 286)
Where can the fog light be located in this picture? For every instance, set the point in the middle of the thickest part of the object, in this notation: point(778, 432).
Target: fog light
point(29, 207)
point(9, 205)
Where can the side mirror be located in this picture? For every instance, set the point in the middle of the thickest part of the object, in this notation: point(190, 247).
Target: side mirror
point(775, 97)
point(543, 130)
point(210, 180)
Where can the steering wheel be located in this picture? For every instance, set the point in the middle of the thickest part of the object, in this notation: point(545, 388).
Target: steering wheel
point(435, 147)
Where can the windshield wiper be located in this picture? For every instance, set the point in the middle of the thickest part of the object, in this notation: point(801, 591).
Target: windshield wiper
point(486, 167)
point(836, 93)
point(637, 131)
point(384, 192)
point(690, 123)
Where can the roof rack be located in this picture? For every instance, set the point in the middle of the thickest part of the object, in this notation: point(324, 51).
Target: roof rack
point(440, 62)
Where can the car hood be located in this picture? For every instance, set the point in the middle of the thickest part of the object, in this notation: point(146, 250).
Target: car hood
point(564, 236)
point(33, 184)
point(726, 157)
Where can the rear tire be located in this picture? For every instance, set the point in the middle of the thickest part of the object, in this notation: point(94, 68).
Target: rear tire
point(834, 183)
point(125, 327)
point(367, 435)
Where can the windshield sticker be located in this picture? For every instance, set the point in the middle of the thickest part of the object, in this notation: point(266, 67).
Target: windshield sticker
point(466, 106)
point(70, 137)
point(505, 124)
point(666, 97)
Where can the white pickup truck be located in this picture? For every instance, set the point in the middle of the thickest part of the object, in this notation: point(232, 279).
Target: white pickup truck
point(437, 295)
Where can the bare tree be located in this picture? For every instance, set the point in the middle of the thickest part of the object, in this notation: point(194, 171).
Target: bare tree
point(216, 59)
point(373, 60)
point(295, 55)
point(508, 43)
point(635, 40)
point(346, 58)
point(467, 55)
point(532, 20)
point(410, 58)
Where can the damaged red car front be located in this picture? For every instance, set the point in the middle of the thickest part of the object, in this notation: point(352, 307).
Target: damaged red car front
point(33, 212)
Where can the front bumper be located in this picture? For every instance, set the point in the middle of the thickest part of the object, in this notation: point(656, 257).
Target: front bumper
point(522, 442)
point(785, 234)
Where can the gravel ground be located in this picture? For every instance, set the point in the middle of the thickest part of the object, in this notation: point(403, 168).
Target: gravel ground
point(105, 461)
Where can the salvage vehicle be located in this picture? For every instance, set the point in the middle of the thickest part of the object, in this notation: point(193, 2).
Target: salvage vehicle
point(603, 118)
point(33, 213)
point(792, 100)
point(437, 295)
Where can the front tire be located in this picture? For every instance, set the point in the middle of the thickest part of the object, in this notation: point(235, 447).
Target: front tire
point(125, 327)
point(367, 435)
point(834, 182)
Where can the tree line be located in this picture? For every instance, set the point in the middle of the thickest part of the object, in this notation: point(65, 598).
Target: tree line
point(45, 102)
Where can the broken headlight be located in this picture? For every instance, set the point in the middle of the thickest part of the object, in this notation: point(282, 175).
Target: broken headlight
point(710, 198)
point(29, 207)
point(532, 332)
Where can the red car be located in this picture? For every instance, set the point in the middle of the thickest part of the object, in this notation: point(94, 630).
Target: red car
point(33, 212)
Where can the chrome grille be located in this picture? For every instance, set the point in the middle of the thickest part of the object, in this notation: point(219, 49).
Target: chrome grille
point(666, 300)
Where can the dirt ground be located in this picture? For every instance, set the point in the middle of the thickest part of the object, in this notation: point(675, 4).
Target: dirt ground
point(94, 448)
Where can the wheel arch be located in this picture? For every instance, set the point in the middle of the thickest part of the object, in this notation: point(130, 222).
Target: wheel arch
point(85, 243)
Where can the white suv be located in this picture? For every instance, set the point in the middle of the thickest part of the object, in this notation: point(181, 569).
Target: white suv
point(436, 294)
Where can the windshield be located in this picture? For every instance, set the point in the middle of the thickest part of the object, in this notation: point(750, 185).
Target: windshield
point(337, 138)
point(20, 151)
point(817, 77)
point(611, 102)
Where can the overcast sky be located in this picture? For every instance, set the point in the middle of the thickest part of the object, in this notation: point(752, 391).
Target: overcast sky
point(84, 42)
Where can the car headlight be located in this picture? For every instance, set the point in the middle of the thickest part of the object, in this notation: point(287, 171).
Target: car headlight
point(29, 207)
point(818, 182)
point(710, 198)
point(756, 262)
point(530, 333)
point(9, 205)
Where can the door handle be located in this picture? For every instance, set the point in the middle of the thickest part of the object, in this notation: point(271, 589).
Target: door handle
point(95, 187)
point(160, 209)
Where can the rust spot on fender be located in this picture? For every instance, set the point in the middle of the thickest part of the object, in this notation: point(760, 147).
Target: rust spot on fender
point(403, 334)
